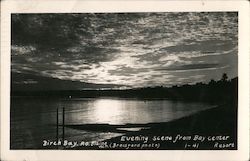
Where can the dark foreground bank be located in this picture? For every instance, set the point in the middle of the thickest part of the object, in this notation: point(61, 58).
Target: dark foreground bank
point(213, 129)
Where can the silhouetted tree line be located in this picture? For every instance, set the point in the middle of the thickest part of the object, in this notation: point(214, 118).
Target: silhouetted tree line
point(223, 90)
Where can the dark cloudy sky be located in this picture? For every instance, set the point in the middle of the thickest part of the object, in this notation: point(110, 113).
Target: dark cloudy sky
point(136, 49)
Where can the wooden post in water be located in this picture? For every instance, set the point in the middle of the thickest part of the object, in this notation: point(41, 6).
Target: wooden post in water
point(57, 124)
point(63, 119)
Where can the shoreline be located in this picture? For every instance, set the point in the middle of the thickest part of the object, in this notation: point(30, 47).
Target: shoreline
point(211, 129)
point(191, 132)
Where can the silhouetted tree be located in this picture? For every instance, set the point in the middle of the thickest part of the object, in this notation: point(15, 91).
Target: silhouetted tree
point(212, 82)
point(224, 77)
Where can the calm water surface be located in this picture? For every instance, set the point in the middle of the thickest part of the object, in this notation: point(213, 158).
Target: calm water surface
point(33, 120)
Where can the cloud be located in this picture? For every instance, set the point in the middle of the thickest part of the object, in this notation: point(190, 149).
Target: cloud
point(202, 46)
point(190, 67)
point(16, 50)
point(125, 48)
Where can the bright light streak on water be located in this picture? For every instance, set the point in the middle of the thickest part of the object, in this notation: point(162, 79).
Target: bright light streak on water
point(33, 120)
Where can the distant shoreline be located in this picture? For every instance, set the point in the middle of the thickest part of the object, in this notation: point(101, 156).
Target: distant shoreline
point(220, 91)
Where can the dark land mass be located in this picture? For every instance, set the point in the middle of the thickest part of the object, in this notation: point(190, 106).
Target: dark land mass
point(30, 83)
point(219, 122)
point(215, 91)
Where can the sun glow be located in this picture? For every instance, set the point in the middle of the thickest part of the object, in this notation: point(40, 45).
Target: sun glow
point(108, 111)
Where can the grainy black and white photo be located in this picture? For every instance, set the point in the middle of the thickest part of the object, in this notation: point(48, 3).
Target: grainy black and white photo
point(124, 81)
